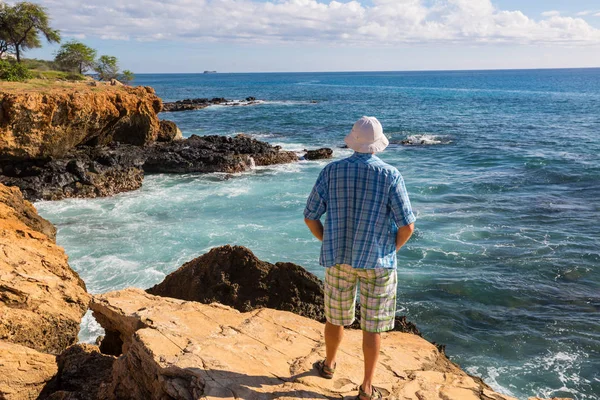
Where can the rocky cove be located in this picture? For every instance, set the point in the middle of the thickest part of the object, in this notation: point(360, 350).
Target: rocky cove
point(80, 140)
point(224, 325)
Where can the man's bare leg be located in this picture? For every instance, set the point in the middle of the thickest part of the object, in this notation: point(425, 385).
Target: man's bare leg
point(333, 337)
point(371, 345)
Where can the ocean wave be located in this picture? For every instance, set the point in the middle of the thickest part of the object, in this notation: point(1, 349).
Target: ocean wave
point(425, 139)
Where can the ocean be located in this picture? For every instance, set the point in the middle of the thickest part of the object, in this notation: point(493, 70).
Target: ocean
point(503, 174)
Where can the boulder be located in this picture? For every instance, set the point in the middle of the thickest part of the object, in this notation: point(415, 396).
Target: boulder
point(186, 350)
point(24, 372)
point(169, 132)
point(319, 154)
point(37, 124)
point(42, 299)
point(234, 276)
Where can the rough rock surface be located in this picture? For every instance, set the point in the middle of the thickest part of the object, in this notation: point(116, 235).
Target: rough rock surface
point(98, 171)
point(168, 132)
point(197, 104)
point(24, 372)
point(37, 124)
point(213, 154)
point(14, 207)
point(319, 154)
point(234, 276)
point(83, 374)
point(83, 172)
point(42, 299)
point(187, 350)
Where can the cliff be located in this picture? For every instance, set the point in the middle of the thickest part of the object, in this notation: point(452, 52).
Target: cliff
point(41, 123)
point(42, 299)
point(64, 140)
point(186, 350)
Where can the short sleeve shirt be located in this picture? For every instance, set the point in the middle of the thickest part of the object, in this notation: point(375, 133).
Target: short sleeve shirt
point(365, 202)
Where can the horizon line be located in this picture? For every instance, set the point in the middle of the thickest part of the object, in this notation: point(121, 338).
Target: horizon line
point(363, 71)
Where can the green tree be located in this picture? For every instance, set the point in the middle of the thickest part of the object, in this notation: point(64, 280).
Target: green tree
point(22, 24)
point(75, 56)
point(107, 68)
point(127, 76)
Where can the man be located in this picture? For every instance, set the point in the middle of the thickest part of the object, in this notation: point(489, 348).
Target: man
point(368, 219)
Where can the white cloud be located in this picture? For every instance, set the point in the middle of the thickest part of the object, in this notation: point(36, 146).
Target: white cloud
point(385, 22)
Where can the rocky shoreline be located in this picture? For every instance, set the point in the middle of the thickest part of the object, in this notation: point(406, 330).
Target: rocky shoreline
point(197, 104)
point(180, 339)
point(224, 325)
point(99, 141)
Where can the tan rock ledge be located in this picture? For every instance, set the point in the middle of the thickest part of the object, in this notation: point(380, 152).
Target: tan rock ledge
point(187, 350)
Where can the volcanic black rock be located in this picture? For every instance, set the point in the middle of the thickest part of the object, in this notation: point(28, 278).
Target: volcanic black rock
point(213, 154)
point(197, 104)
point(234, 276)
point(318, 154)
point(83, 172)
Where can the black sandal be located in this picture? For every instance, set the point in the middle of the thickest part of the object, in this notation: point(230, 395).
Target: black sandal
point(324, 371)
point(375, 394)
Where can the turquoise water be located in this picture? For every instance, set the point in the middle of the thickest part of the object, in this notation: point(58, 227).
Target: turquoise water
point(504, 264)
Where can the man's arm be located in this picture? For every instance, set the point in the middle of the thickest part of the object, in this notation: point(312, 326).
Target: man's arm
point(316, 227)
point(402, 236)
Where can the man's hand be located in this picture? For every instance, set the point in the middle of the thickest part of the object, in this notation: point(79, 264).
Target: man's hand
point(316, 227)
point(403, 235)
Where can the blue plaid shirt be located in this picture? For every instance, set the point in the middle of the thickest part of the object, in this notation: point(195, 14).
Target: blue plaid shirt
point(365, 201)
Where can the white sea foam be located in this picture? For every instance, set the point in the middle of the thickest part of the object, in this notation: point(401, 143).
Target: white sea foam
point(426, 140)
point(90, 329)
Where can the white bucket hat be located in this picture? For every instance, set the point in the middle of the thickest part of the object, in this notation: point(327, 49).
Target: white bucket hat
point(367, 136)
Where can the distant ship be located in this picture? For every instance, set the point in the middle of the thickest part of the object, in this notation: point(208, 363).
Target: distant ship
point(210, 72)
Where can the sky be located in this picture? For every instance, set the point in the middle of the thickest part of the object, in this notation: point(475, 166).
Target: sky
point(183, 36)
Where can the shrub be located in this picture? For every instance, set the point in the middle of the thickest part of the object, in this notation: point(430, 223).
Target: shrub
point(13, 72)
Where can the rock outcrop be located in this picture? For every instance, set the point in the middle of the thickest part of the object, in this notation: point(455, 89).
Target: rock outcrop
point(234, 276)
point(83, 172)
point(37, 125)
point(186, 350)
point(197, 104)
point(213, 154)
point(42, 299)
point(319, 154)
point(84, 373)
point(24, 372)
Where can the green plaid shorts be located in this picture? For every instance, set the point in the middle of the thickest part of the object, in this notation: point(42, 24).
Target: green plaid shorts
point(377, 297)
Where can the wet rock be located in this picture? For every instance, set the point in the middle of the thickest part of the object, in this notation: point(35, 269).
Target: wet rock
point(84, 172)
point(213, 154)
point(319, 154)
point(197, 104)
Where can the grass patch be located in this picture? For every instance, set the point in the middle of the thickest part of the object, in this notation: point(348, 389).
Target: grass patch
point(57, 75)
point(46, 86)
